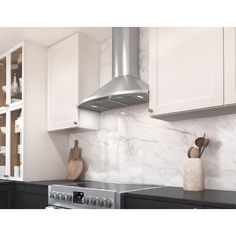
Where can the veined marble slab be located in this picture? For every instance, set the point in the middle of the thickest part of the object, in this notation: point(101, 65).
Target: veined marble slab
point(131, 147)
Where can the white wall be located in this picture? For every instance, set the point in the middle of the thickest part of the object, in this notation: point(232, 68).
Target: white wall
point(134, 148)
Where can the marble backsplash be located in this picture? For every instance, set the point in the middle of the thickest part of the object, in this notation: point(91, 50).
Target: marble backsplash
point(131, 147)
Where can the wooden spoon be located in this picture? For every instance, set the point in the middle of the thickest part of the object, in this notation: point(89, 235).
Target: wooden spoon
point(206, 143)
point(189, 151)
point(200, 142)
point(193, 152)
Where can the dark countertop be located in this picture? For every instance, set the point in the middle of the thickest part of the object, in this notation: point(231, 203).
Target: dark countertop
point(2, 181)
point(39, 183)
point(209, 198)
point(50, 182)
point(46, 182)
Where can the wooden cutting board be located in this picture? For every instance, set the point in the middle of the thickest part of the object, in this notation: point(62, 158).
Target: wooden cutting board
point(75, 164)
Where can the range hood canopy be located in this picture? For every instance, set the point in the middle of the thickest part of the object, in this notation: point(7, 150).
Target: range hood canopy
point(125, 89)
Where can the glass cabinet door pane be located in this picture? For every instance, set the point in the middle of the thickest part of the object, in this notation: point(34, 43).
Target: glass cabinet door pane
point(16, 75)
point(3, 76)
point(16, 143)
point(2, 144)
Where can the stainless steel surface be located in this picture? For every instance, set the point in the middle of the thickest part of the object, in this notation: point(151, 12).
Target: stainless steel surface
point(125, 88)
point(125, 51)
point(91, 195)
point(91, 200)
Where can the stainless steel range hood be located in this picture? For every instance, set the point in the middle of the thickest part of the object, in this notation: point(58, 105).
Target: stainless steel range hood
point(125, 88)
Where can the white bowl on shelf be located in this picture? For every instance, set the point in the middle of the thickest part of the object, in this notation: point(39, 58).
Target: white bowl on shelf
point(2, 170)
point(4, 88)
point(13, 100)
point(2, 149)
point(3, 130)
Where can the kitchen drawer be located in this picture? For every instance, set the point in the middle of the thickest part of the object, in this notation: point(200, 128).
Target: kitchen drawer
point(7, 196)
point(31, 196)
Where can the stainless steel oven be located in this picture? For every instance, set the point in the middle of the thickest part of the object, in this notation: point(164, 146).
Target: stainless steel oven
point(91, 195)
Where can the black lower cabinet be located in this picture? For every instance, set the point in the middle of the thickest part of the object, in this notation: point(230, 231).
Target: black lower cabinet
point(7, 196)
point(31, 196)
point(135, 203)
point(23, 196)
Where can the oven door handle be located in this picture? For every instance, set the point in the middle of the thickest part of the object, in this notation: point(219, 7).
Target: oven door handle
point(54, 207)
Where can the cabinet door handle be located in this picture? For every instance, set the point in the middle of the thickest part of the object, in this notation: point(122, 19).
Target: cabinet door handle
point(150, 110)
point(75, 122)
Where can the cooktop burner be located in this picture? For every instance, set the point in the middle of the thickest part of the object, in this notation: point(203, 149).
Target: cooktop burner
point(117, 187)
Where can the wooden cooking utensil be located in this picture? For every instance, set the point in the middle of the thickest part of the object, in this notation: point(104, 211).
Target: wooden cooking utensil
point(194, 153)
point(75, 164)
point(206, 143)
point(189, 151)
point(200, 142)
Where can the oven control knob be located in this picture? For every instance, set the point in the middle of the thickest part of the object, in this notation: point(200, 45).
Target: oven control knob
point(99, 202)
point(69, 197)
point(62, 196)
point(92, 201)
point(108, 203)
point(55, 196)
point(85, 200)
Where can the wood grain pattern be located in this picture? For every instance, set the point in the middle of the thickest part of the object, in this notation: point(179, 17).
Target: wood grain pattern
point(75, 164)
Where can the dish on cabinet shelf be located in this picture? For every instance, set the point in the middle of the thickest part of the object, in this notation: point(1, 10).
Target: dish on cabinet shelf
point(18, 125)
point(3, 130)
point(19, 149)
point(19, 58)
point(2, 170)
point(4, 88)
point(13, 100)
point(16, 171)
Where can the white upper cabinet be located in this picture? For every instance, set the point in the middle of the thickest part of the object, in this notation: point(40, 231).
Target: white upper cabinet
point(230, 66)
point(73, 74)
point(186, 69)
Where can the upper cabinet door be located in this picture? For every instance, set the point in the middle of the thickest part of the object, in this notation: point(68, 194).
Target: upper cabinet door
point(73, 74)
point(63, 84)
point(186, 69)
point(229, 66)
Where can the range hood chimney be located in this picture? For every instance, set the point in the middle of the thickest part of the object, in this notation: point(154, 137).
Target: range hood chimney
point(125, 88)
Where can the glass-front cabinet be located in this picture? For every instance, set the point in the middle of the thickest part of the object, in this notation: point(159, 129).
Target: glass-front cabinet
point(11, 109)
point(25, 144)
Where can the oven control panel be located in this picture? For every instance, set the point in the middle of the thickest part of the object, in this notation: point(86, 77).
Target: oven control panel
point(81, 198)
